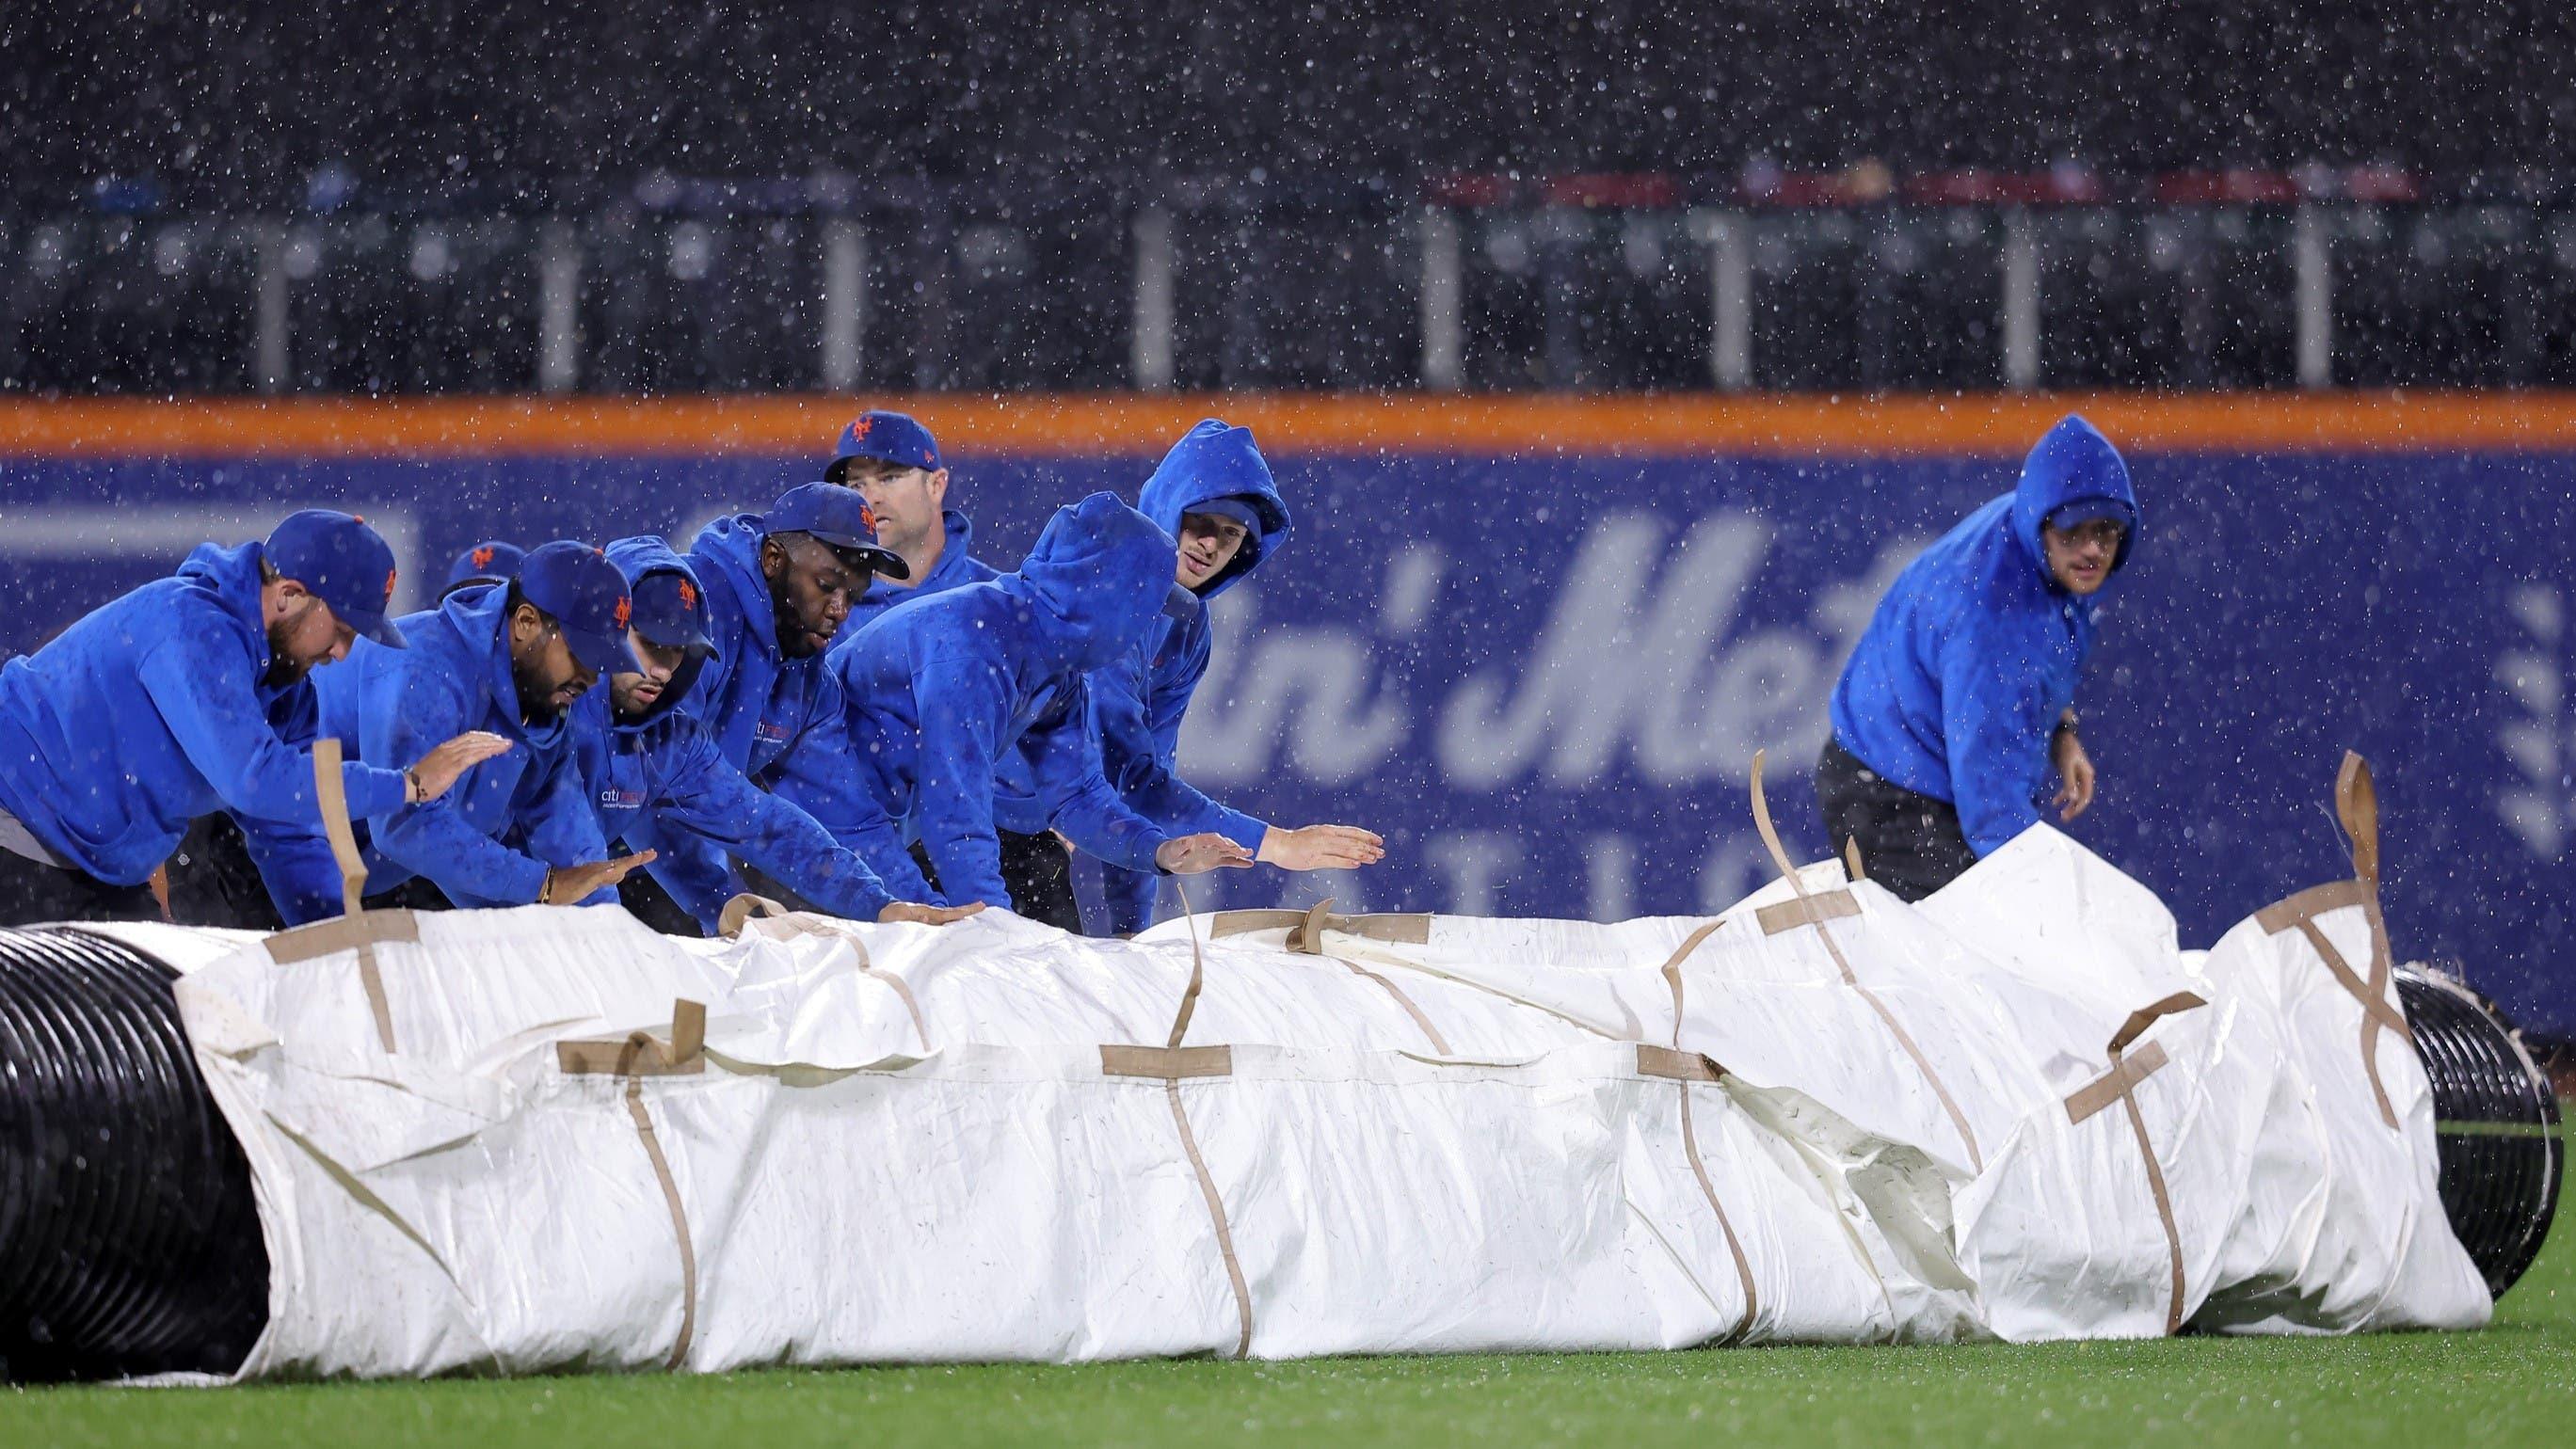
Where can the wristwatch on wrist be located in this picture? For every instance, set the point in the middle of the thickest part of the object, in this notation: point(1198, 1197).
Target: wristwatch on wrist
point(412, 793)
point(546, 892)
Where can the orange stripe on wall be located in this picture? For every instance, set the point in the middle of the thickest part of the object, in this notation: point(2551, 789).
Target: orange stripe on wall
point(1061, 425)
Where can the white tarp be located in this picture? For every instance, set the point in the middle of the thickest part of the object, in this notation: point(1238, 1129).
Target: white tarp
point(906, 1143)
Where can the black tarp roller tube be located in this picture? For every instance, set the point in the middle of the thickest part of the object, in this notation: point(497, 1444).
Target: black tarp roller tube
point(129, 1239)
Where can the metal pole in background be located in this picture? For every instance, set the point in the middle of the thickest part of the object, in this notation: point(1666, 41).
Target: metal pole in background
point(845, 302)
point(2020, 302)
point(2315, 289)
point(1730, 284)
point(558, 308)
point(1444, 339)
point(1150, 347)
point(272, 357)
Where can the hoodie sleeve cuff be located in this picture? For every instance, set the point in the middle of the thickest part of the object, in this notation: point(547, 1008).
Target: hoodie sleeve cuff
point(371, 790)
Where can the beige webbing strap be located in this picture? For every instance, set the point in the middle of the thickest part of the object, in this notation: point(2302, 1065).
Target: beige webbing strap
point(1306, 936)
point(331, 798)
point(785, 925)
point(2357, 805)
point(1402, 928)
point(1684, 1068)
point(1817, 918)
point(639, 1055)
point(1171, 1062)
point(1784, 916)
point(2120, 1085)
point(1851, 857)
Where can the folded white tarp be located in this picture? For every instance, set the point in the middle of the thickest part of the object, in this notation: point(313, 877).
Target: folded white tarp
point(1839, 1119)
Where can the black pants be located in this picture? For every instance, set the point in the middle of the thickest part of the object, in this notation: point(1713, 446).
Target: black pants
point(214, 882)
point(1038, 872)
point(1909, 842)
point(32, 893)
point(645, 900)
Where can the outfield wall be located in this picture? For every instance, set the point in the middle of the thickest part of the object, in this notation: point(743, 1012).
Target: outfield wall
point(1536, 642)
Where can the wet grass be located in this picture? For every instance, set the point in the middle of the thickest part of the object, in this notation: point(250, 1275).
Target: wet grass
point(2513, 1384)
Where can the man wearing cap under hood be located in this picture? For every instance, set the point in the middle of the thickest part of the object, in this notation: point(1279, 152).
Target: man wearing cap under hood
point(1213, 492)
point(1959, 697)
point(640, 755)
point(939, 691)
point(190, 695)
point(512, 659)
point(493, 561)
point(778, 587)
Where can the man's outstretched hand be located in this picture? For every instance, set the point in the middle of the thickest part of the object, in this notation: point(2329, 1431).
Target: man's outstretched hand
point(442, 766)
point(566, 885)
point(1193, 854)
point(926, 915)
point(2074, 775)
point(1321, 847)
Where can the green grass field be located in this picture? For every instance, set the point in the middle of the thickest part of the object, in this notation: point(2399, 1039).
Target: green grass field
point(2514, 1384)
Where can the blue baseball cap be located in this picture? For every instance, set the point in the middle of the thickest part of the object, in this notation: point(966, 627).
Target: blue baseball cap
point(670, 611)
point(838, 516)
point(2085, 510)
point(586, 596)
point(1241, 510)
point(493, 561)
point(342, 562)
point(888, 437)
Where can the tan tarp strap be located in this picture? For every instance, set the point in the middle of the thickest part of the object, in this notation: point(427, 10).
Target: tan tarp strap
point(2085, 1103)
point(1402, 928)
point(1817, 919)
point(1172, 1062)
point(1683, 1068)
point(1166, 1062)
point(2357, 805)
point(1669, 1065)
point(742, 910)
point(1784, 916)
point(1851, 857)
point(340, 933)
point(638, 1056)
point(2120, 1085)
point(641, 1054)
point(355, 929)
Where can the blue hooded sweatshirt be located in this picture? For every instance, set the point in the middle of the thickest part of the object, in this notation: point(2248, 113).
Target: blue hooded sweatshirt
point(392, 706)
point(772, 718)
point(150, 712)
point(1138, 700)
point(957, 565)
point(666, 763)
point(1973, 655)
point(941, 690)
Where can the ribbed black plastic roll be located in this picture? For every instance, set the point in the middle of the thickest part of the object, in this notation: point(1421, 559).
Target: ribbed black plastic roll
point(129, 1241)
point(2496, 1125)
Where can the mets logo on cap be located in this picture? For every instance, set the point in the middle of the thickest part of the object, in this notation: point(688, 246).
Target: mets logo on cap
point(625, 610)
point(859, 430)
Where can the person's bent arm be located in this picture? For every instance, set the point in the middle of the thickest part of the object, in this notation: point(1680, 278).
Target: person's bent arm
point(961, 707)
point(1995, 721)
point(214, 713)
point(703, 796)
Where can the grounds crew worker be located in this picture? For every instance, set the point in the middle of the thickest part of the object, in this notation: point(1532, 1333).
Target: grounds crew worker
point(641, 756)
point(941, 690)
point(1213, 493)
point(1959, 696)
point(188, 696)
point(512, 659)
point(777, 586)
